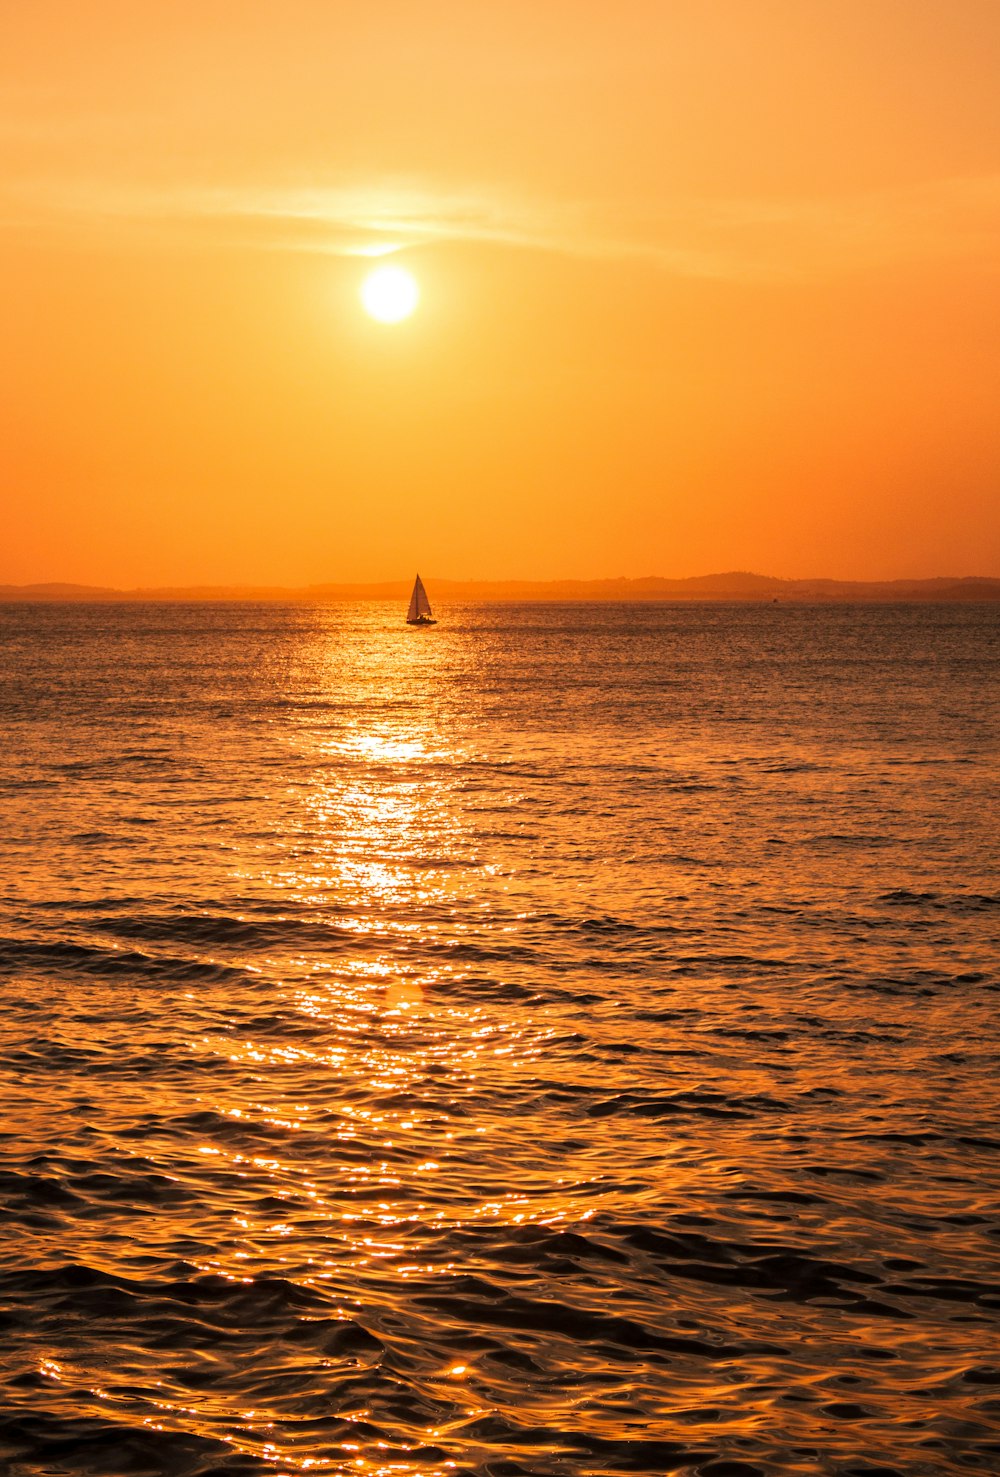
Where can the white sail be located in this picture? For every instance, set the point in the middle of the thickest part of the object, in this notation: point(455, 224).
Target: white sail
point(420, 606)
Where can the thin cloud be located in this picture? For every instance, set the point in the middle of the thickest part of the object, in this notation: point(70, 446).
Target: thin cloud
point(764, 239)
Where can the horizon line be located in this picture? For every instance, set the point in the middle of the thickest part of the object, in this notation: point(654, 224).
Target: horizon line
point(728, 585)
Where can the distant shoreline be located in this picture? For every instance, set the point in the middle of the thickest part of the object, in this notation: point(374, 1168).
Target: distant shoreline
point(757, 588)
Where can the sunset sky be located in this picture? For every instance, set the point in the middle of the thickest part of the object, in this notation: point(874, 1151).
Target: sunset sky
point(705, 285)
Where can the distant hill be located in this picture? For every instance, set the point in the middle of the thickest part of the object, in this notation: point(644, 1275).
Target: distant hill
point(737, 585)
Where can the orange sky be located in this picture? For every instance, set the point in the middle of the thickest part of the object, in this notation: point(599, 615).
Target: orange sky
point(707, 284)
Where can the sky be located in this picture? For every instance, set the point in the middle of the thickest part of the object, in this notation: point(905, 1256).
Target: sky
point(705, 285)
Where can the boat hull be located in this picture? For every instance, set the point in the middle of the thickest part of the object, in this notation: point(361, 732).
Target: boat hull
point(421, 620)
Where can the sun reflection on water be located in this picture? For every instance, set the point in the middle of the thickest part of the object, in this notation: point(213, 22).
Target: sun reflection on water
point(470, 1092)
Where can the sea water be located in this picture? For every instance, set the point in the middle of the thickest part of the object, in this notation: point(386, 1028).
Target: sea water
point(560, 1041)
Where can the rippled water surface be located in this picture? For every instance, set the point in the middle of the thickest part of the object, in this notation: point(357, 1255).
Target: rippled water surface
point(563, 1041)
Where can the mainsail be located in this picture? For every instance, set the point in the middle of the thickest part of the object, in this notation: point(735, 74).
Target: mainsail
point(420, 606)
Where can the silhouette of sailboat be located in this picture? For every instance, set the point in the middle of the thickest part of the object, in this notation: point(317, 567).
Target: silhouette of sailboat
point(419, 613)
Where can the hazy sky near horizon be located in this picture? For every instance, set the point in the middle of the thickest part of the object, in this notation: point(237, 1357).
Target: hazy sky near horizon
point(706, 284)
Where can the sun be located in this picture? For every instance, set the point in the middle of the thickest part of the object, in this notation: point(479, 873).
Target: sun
point(390, 294)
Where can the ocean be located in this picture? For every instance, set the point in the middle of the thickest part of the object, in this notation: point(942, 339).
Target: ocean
point(561, 1041)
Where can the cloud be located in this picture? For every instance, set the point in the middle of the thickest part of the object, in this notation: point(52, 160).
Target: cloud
point(734, 238)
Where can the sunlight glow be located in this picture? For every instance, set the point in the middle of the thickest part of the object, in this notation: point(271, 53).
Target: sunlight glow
point(390, 294)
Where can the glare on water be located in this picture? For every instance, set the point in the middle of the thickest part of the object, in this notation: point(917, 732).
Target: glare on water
point(557, 1043)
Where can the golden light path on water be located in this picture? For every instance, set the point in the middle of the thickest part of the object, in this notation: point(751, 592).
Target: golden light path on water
point(488, 1060)
point(366, 838)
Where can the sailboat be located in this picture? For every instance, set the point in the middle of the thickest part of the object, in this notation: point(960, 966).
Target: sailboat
point(419, 613)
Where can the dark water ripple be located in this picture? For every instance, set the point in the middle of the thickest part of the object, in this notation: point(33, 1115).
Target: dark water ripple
point(562, 1043)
